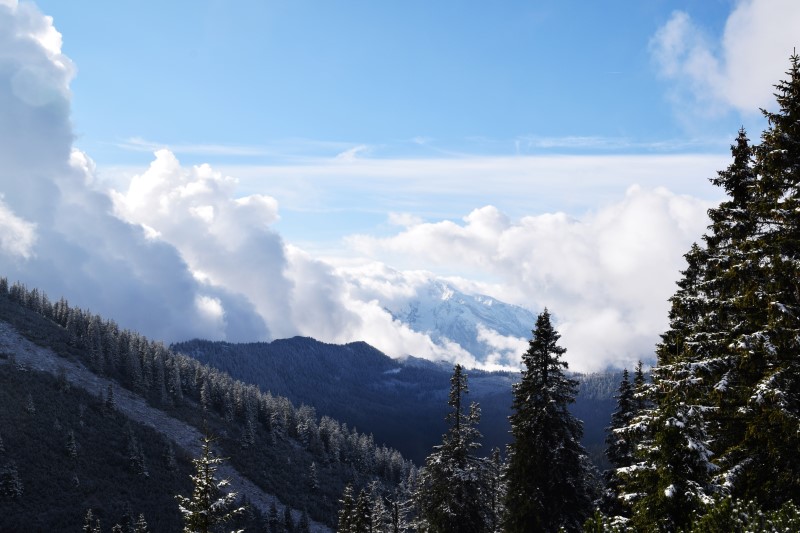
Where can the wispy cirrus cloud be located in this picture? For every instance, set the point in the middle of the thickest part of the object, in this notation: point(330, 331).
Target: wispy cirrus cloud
point(138, 144)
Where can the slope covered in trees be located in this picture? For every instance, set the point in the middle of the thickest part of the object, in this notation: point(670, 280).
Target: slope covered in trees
point(285, 450)
point(402, 403)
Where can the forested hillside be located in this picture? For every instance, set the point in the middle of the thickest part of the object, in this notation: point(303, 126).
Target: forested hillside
point(286, 451)
point(400, 402)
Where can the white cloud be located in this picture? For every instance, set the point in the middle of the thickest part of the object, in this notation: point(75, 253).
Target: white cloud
point(54, 218)
point(227, 244)
point(404, 219)
point(350, 155)
point(227, 239)
point(506, 350)
point(736, 70)
point(17, 236)
point(606, 276)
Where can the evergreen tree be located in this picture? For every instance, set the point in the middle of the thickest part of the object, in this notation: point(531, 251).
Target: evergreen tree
point(272, 518)
point(346, 510)
point(141, 525)
point(10, 483)
point(304, 526)
point(30, 407)
point(451, 487)
point(362, 514)
point(288, 521)
point(619, 448)
point(209, 504)
point(547, 468)
point(110, 404)
point(72, 445)
point(496, 492)
point(90, 523)
point(726, 389)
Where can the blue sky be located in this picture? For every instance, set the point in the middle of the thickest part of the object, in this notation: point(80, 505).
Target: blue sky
point(249, 170)
point(267, 84)
point(283, 79)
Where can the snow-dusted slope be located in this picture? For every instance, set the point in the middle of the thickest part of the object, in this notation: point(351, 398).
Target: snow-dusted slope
point(494, 332)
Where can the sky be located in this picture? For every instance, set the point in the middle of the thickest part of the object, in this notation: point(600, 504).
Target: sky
point(254, 170)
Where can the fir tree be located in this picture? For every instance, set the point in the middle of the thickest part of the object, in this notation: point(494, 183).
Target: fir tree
point(10, 484)
point(72, 445)
point(346, 510)
point(288, 521)
point(547, 468)
point(272, 518)
point(140, 526)
point(30, 407)
point(450, 494)
point(209, 504)
point(362, 514)
point(91, 524)
point(304, 526)
point(110, 404)
point(619, 448)
point(726, 388)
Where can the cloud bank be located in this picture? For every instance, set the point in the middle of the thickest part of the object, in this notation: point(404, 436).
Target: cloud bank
point(605, 276)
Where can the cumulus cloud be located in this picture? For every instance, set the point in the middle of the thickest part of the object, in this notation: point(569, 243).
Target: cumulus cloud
point(606, 276)
point(735, 70)
point(226, 240)
point(17, 236)
point(58, 230)
point(506, 350)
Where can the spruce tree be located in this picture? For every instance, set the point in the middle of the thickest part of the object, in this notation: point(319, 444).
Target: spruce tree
point(288, 521)
point(91, 524)
point(209, 504)
point(547, 467)
point(451, 495)
point(726, 389)
point(272, 518)
point(619, 448)
point(346, 510)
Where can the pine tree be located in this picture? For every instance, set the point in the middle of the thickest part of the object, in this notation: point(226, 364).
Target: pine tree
point(304, 526)
point(288, 521)
point(91, 524)
point(272, 518)
point(451, 487)
point(547, 468)
point(346, 510)
point(141, 525)
point(760, 462)
point(10, 484)
point(362, 514)
point(726, 389)
point(110, 404)
point(495, 492)
point(30, 407)
point(209, 504)
point(72, 445)
point(619, 448)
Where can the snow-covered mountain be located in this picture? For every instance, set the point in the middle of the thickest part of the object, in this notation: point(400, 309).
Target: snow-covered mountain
point(494, 332)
